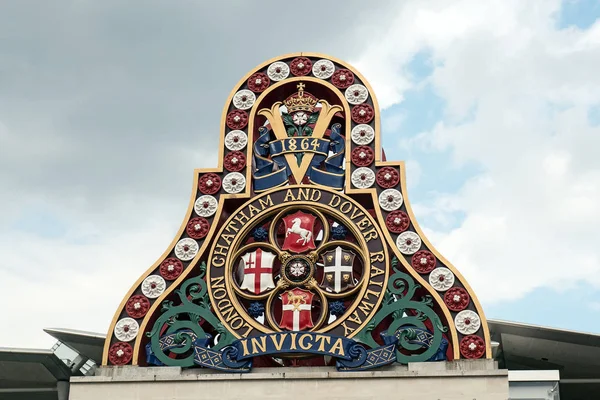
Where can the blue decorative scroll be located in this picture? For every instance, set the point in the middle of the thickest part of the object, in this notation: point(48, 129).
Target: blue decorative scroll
point(349, 354)
point(333, 176)
point(268, 173)
point(224, 360)
point(274, 171)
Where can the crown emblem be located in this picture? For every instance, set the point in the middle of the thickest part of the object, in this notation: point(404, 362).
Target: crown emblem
point(301, 101)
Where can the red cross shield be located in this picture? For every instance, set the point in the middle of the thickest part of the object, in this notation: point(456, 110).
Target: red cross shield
point(296, 310)
point(299, 232)
point(258, 271)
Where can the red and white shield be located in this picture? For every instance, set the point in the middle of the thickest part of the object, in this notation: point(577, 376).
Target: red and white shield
point(296, 310)
point(299, 236)
point(258, 271)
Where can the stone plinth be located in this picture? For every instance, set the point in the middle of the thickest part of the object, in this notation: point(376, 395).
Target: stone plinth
point(476, 379)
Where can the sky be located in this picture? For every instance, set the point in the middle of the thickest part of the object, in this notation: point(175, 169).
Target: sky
point(107, 107)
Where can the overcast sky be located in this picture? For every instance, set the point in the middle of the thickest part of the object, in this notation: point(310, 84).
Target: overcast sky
point(106, 107)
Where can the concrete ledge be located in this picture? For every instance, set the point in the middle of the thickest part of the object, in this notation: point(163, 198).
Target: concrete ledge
point(460, 380)
point(462, 368)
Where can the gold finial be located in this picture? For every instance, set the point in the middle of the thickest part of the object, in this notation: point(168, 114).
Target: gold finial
point(300, 87)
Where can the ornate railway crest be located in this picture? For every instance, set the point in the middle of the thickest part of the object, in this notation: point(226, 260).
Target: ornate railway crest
point(301, 246)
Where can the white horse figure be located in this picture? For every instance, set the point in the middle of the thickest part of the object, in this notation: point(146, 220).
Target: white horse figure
point(304, 234)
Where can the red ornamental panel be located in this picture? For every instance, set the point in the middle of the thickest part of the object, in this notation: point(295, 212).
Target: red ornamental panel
point(388, 177)
point(171, 268)
point(234, 161)
point(342, 78)
point(137, 306)
point(301, 66)
point(120, 353)
point(209, 184)
point(197, 228)
point(258, 82)
point(237, 119)
point(362, 156)
point(423, 262)
point(362, 113)
point(457, 299)
point(397, 221)
point(472, 346)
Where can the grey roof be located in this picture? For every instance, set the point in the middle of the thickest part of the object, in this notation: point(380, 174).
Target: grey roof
point(30, 374)
point(31, 368)
point(576, 355)
point(89, 344)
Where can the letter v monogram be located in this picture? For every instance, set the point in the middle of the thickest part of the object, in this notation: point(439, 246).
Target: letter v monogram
point(325, 116)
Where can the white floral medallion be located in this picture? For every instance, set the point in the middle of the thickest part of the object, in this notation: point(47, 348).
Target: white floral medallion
point(153, 286)
point(206, 206)
point(300, 118)
point(126, 329)
point(408, 242)
point(441, 279)
point(363, 177)
point(362, 134)
point(278, 71)
point(390, 199)
point(356, 94)
point(467, 322)
point(234, 182)
point(244, 99)
point(186, 249)
point(236, 140)
point(323, 69)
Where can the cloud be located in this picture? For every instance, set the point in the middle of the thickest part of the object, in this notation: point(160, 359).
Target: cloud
point(518, 91)
point(106, 108)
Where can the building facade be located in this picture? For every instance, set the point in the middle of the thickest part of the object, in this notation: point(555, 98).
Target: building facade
point(300, 269)
point(300, 249)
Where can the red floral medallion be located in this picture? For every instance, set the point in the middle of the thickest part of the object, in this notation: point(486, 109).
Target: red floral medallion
point(362, 156)
point(209, 183)
point(301, 66)
point(457, 299)
point(423, 262)
point(362, 113)
point(472, 346)
point(397, 221)
point(137, 306)
point(120, 353)
point(258, 82)
point(234, 161)
point(342, 78)
point(171, 268)
point(197, 228)
point(237, 119)
point(388, 177)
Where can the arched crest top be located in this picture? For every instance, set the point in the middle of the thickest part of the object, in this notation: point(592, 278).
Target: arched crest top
point(274, 82)
point(301, 246)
